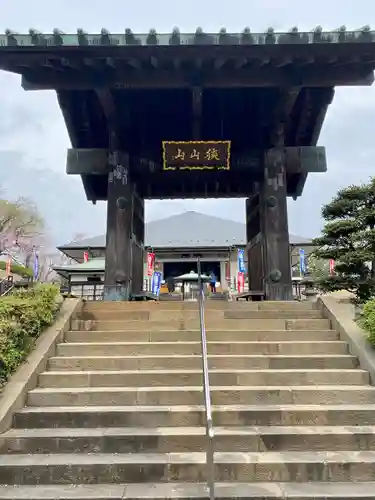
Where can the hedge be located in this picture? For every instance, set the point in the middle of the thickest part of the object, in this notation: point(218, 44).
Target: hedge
point(23, 317)
point(367, 320)
point(17, 269)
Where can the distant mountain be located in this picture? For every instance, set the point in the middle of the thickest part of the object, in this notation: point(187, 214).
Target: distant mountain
point(59, 197)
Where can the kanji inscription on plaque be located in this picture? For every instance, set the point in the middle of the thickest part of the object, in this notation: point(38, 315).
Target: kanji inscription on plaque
point(196, 155)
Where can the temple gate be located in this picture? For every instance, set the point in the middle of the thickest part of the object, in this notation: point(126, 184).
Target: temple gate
point(193, 116)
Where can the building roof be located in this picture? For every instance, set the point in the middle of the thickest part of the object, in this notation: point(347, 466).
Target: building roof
point(187, 230)
point(58, 39)
point(92, 266)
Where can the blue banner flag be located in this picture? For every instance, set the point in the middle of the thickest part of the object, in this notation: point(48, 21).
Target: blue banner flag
point(36, 266)
point(156, 283)
point(241, 260)
point(302, 263)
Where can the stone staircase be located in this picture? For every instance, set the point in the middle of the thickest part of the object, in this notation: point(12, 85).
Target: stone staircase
point(119, 413)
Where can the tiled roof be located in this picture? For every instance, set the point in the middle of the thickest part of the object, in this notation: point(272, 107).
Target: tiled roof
point(90, 265)
point(57, 38)
point(189, 229)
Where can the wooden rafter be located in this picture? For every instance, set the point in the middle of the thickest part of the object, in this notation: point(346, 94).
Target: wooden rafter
point(197, 101)
point(281, 115)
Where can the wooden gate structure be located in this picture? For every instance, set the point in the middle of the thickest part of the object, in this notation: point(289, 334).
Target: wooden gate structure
point(197, 115)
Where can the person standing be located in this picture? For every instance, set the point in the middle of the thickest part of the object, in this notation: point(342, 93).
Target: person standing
point(213, 282)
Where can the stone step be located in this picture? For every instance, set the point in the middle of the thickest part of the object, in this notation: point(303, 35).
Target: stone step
point(170, 416)
point(270, 314)
point(196, 491)
point(231, 377)
point(175, 467)
point(194, 335)
point(193, 306)
point(177, 348)
point(165, 315)
point(215, 324)
point(183, 439)
point(229, 395)
point(328, 361)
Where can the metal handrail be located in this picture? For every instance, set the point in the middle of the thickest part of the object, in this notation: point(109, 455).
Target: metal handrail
point(7, 291)
point(5, 286)
point(206, 390)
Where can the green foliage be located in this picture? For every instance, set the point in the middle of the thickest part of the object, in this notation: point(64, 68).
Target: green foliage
point(367, 320)
point(17, 269)
point(23, 317)
point(318, 268)
point(348, 237)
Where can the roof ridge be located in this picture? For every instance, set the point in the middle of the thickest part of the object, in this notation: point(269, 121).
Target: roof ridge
point(187, 229)
point(200, 214)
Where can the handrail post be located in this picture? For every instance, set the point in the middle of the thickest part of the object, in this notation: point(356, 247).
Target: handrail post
point(206, 389)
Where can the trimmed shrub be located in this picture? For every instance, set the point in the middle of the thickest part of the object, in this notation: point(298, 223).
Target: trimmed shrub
point(367, 320)
point(23, 316)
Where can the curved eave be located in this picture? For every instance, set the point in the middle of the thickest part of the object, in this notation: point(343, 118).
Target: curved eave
point(76, 253)
point(62, 67)
point(305, 126)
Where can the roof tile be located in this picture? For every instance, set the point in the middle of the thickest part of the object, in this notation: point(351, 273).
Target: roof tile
point(188, 229)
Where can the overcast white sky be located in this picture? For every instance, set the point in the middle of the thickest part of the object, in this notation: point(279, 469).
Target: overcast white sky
point(32, 122)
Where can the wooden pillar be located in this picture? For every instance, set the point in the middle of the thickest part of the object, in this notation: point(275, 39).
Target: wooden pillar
point(274, 225)
point(138, 237)
point(118, 258)
point(267, 232)
point(254, 244)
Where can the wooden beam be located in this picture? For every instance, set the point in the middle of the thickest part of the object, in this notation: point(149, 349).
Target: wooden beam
point(312, 76)
point(327, 99)
point(198, 63)
point(219, 62)
point(70, 63)
point(63, 98)
point(240, 63)
point(90, 192)
point(176, 63)
point(306, 61)
point(285, 61)
point(107, 104)
point(259, 63)
point(95, 162)
point(197, 101)
point(305, 159)
point(281, 115)
point(154, 62)
point(134, 63)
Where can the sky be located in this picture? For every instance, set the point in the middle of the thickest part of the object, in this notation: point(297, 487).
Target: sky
point(32, 125)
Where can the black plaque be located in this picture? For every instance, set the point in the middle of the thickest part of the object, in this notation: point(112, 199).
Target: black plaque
point(196, 155)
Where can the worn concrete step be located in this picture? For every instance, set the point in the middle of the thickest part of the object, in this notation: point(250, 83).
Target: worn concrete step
point(196, 491)
point(188, 416)
point(230, 395)
point(214, 323)
point(193, 306)
point(188, 439)
point(165, 315)
point(229, 377)
point(178, 348)
point(186, 335)
point(194, 362)
point(273, 314)
point(158, 467)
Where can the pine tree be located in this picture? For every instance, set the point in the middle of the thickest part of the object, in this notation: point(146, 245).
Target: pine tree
point(348, 237)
